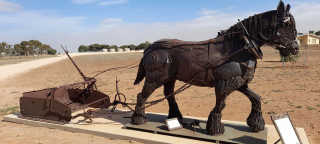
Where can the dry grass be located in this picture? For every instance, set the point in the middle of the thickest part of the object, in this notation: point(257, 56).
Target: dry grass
point(9, 110)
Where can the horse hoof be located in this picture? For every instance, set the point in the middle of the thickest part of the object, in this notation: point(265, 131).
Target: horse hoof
point(256, 122)
point(138, 120)
point(214, 125)
point(215, 130)
point(256, 126)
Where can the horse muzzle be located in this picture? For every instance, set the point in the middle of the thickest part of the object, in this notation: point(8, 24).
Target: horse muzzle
point(292, 47)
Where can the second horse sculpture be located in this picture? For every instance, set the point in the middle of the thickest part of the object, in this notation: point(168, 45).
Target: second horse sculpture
point(227, 63)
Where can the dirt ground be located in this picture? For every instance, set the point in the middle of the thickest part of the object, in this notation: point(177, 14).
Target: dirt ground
point(292, 88)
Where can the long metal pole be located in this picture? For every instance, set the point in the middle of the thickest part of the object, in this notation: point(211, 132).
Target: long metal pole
point(67, 53)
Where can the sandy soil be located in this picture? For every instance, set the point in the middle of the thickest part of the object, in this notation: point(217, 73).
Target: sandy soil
point(292, 88)
point(18, 59)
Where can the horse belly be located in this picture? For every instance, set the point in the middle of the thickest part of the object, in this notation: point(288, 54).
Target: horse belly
point(192, 69)
point(202, 78)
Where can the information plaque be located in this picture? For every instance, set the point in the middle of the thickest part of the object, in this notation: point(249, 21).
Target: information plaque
point(286, 130)
point(173, 124)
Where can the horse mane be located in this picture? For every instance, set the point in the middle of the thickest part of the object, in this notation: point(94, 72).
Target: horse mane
point(255, 24)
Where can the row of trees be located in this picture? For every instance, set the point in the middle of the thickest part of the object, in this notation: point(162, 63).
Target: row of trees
point(26, 48)
point(315, 32)
point(100, 47)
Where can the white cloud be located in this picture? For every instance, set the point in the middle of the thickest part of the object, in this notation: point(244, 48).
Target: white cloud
point(108, 23)
point(6, 6)
point(307, 16)
point(35, 21)
point(113, 2)
point(49, 28)
point(101, 2)
point(112, 20)
point(72, 31)
point(83, 1)
point(116, 31)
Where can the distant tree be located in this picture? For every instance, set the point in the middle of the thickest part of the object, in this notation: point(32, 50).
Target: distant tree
point(32, 47)
point(124, 46)
point(96, 47)
point(4, 47)
point(51, 51)
point(132, 47)
point(143, 46)
point(311, 32)
point(35, 47)
point(25, 48)
point(105, 46)
point(318, 33)
point(115, 47)
point(83, 48)
point(100, 47)
point(44, 49)
point(93, 47)
point(18, 49)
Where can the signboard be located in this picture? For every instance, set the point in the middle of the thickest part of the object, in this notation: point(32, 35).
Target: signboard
point(285, 129)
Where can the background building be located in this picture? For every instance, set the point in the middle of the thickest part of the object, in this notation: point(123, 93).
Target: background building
point(309, 39)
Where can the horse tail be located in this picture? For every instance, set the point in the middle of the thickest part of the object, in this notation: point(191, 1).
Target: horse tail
point(141, 73)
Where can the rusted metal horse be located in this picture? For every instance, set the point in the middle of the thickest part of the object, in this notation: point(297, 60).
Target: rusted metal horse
point(227, 63)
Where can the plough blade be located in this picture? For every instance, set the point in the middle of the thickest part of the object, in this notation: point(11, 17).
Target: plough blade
point(58, 104)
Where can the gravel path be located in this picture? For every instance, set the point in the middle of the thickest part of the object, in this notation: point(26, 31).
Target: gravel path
point(10, 70)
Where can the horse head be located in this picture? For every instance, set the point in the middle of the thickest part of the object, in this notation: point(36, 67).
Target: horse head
point(283, 34)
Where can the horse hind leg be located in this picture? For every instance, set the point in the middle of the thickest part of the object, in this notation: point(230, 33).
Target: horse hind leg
point(156, 74)
point(255, 120)
point(139, 116)
point(174, 111)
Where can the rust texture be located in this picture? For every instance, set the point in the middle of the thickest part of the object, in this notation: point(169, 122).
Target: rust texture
point(59, 103)
point(227, 63)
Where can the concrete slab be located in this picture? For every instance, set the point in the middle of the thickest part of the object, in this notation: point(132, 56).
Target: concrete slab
point(107, 124)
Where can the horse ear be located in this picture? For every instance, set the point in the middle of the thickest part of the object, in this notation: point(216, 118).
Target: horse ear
point(281, 8)
point(288, 8)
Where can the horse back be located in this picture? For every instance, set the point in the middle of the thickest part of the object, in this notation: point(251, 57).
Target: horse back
point(176, 43)
point(184, 60)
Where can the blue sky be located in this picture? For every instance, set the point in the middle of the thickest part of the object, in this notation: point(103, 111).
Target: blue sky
point(142, 10)
point(75, 22)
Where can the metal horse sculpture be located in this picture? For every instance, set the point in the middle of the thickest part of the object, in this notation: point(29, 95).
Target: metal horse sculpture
point(227, 63)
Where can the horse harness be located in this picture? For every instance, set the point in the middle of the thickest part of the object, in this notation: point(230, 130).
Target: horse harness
point(174, 43)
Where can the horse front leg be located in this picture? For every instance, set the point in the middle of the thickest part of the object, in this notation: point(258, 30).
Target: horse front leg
point(139, 116)
point(255, 120)
point(214, 125)
point(222, 90)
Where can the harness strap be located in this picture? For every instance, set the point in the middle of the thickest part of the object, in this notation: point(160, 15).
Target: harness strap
point(256, 53)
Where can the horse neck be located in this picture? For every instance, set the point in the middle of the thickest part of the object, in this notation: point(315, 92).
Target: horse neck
point(256, 25)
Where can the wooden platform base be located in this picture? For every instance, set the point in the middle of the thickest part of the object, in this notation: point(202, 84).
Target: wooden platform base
point(111, 125)
point(234, 133)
